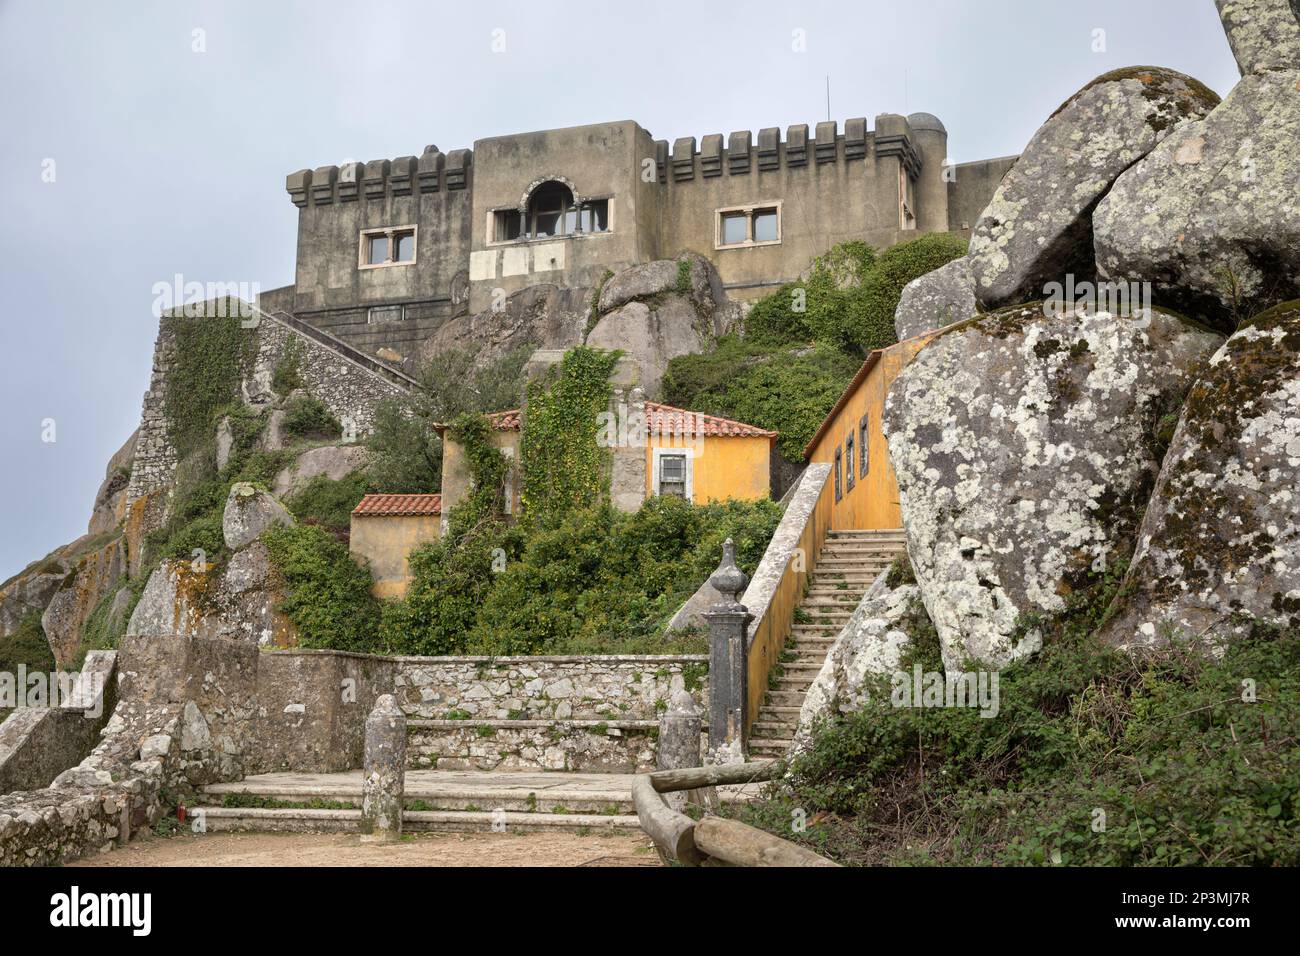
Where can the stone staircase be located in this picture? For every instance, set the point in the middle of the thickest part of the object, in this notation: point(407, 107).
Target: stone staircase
point(850, 562)
point(436, 800)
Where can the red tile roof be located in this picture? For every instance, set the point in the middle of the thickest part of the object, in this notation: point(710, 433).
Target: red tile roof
point(507, 421)
point(663, 419)
point(403, 505)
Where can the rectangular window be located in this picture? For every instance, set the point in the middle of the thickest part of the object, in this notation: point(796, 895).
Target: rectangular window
point(864, 445)
point(839, 473)
point(509, 225)
point(848, 457)
point(387, 246)
point(672, 475)
point(748, 226)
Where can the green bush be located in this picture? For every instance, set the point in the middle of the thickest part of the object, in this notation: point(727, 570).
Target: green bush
point(306, 416)
point(27, 646)
point(328, 502)
point(874, 305)
point(209, 359)
point(1184, 769)
point(327, 594)
point(288, 371)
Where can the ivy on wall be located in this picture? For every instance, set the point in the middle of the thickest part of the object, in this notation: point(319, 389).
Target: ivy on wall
point(209, 357)
point(563, 465)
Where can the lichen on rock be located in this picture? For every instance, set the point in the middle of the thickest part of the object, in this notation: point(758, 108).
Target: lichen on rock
point(1023, 443)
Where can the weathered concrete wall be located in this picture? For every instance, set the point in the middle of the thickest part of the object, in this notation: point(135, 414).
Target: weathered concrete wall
point(37, 744)
point(605, 687)
point(971, 189)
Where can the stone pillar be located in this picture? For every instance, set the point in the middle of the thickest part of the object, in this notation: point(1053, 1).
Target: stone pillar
point(728, 658)
point(679, 742)
point(385, 772)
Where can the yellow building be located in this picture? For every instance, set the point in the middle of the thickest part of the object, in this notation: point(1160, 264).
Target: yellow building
point(385, 529)
point(853, 441)
point(698, 457)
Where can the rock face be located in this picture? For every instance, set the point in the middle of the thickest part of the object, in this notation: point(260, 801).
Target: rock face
point(110, 500)
point(1037, 229)
point(248, 513)
point(96, 573)
point(936, 299)
point(540, 316)
point(1263, 34)
point(1219, 547)
point(332, 461)
point(30, 591)
point(872, 642)
point(657, 311)
point(1024, 449)
point(1212, 217)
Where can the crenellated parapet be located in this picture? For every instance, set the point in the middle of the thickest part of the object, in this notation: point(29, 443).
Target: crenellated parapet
point(431, 172)
point(741, 153)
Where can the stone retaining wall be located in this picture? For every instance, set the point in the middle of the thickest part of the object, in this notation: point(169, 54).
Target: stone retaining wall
point(581, 746)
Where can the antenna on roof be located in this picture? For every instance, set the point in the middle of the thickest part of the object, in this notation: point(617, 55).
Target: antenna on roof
point(828, 97)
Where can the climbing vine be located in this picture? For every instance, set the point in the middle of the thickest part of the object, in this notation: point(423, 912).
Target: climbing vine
point(209, 357)
point(563, 465)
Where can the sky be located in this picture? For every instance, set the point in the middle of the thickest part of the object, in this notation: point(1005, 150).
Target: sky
point(141, 140)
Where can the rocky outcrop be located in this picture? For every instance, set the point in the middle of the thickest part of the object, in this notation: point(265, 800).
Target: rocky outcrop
point(95, 573)
point(1212, 216)
point(30, 592)
point(331, 461)
point(871, 643)
point(110, 500)
point(1037, 229)
point(936, 299)
point(1023, 444)
point(657, 311)
point(1219, 548)
point(248, 513)
point(540, 316)
point(1263, 34)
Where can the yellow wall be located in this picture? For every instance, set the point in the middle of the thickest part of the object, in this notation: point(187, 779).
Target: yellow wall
point(385, 541)
point(456, 480)
point(873, 501)
point(723, 466)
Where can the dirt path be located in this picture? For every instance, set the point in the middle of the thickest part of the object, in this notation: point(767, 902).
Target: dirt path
point(424, 849)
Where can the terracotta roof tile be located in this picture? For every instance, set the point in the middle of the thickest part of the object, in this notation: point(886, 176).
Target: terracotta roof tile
point(404, 505)
point(662, 419)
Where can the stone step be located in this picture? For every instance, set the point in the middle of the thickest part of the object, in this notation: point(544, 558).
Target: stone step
point(787, 713)
point(768, 746)
point(868, 533)
point(248, 819)
point(785, 698)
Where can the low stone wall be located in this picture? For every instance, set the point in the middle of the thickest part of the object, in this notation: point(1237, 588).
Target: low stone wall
point(596, 688)
point(312, 708)
point(575, 745)
point(37, 744)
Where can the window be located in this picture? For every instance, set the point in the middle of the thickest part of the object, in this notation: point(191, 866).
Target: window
point(385, 313)
point(673, 472)
point(864, 444)
point(839, 473)
point(748, 226)
point(848, 457)
point(906, 199)
point(388, 246)
point(551, 212)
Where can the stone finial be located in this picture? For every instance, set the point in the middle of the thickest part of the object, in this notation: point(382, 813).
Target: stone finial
point(729, 580)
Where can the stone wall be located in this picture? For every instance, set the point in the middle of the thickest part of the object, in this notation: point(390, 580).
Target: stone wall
point(572, 745)
point(596, 688)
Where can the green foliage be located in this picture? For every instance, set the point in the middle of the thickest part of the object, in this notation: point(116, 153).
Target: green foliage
point(1185, 770)
point(102, 633)
point(788, 390)
point(822, 308)
point(306, 416)
point(328, 502)
point(872, 314)
point(288, 371)
point(683, 283)
point(209, 359)
point(327, 594)
point(405, 448)
point(598, 581)
point(26, 646)
point(562, 463)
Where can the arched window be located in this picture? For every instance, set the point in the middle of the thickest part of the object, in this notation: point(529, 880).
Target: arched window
point(552, 211)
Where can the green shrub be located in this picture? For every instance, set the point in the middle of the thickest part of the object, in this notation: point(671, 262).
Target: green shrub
point(328, 502)
point(306, 416)
point(327, 594)
point(1185, 771)
point(26, 646)
point(208, 361)
point(872, 320)
point(288, 371)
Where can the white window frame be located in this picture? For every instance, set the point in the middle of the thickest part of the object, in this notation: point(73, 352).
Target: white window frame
point(363, 258)
point(687, 453)
point(748, 209)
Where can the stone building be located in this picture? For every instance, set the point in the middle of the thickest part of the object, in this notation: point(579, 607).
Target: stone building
point(389, 249)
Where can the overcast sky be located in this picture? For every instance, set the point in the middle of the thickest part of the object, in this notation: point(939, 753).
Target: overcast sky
point(170, 160)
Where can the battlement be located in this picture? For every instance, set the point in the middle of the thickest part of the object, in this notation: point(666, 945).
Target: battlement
point(743, 153)
point(430, 172)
